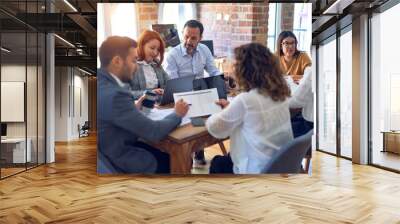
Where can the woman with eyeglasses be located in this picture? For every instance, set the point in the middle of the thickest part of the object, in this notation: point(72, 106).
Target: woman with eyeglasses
point(293, 62)
point(297, 65)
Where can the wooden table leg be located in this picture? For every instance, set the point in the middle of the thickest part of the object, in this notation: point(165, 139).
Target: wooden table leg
point(222, 146)
point(181, 159)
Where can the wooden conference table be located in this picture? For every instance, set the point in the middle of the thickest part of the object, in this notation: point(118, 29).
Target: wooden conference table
point(182, 142)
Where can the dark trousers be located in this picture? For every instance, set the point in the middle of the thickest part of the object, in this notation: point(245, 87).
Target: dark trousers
point(161, 157)
point(300, 127)
point(221, 164)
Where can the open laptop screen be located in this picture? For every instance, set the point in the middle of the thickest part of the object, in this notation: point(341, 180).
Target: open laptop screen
point(177, 85)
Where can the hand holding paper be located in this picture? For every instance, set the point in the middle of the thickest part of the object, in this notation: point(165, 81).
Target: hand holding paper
point(201, 102)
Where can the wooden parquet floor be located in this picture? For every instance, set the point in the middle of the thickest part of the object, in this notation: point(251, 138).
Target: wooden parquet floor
point(70, 191)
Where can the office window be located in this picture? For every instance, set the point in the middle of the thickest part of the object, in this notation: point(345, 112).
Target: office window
point(13, 84)
point(116, 19)
point(273, 25)
point(385, 88)
point(302, 26)
point(41, 97)
point(327, 96)
point(346, 94)
point(22, 94)
point(32, 96)
point(176, 13)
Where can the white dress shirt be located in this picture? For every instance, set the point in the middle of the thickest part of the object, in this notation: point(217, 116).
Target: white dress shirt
point(120, 83)
point(303, 96)
point(149, 74)
point(257, 126)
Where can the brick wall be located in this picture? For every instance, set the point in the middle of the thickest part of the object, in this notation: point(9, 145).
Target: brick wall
point(260, 22)
point(228, 24)
point(232, 24)
point(148, 15)
point(287, 16)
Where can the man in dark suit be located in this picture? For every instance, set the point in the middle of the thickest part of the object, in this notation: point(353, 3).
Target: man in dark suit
point(120, 121)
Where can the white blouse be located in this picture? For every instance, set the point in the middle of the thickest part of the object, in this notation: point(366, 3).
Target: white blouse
point(303, 96)
point(149, 74)
point(257, 126)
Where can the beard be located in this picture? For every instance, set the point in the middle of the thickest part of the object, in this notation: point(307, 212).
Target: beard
point(126, 73)
point(189, 48)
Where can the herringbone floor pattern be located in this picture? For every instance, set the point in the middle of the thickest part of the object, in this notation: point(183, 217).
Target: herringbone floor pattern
point(70, 191)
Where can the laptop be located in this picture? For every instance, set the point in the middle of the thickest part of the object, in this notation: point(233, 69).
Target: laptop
point(178, 85)
point(212, 82)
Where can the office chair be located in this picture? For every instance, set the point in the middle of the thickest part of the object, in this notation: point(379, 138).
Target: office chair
point(288, 159)
point(209, 44)
point(84, 130)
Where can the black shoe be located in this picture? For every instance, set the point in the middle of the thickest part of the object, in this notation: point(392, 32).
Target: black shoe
point(199, 155)
point(199, 159)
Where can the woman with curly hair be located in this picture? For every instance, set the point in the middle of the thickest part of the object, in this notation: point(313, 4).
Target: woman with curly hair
point(258, 119)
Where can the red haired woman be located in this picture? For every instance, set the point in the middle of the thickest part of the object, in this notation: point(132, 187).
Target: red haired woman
point(150, 75)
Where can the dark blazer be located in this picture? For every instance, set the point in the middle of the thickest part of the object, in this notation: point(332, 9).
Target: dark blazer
point(138, 83)
point(120, 125)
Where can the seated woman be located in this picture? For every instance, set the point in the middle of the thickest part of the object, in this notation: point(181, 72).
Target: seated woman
point(150, 75)
point(258, 119)
point(292, 61)
point(294, 64)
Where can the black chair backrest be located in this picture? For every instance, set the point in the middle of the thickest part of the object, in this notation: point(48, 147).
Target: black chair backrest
point(209, 44)
point(86, 125)
point(288, 159)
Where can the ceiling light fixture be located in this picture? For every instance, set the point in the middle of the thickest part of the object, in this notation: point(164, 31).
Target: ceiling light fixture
point(5, 50)
point(70, 5)
point(337, 7)
point(64, 40)
point(86, 72)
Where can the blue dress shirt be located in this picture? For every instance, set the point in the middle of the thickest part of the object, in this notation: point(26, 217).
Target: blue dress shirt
point(179, 63)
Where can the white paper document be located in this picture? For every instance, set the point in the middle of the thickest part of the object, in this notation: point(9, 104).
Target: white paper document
point(159, 114)
point(201, 102)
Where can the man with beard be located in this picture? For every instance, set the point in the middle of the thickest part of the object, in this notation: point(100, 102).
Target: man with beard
point(120, 121)
point(191, 58)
